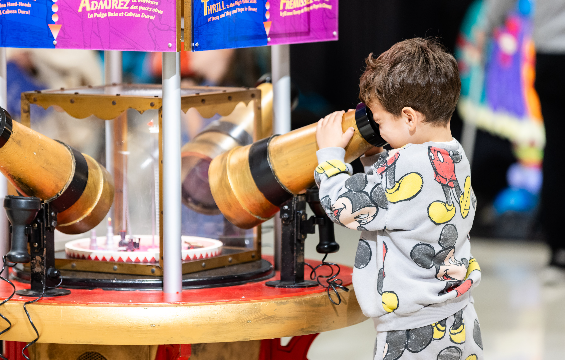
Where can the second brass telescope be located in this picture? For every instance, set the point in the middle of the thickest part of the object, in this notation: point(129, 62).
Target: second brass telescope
point(250, 183)
point(79, 189)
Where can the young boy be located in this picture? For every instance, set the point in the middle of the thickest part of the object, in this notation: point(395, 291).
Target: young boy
point(414, 207)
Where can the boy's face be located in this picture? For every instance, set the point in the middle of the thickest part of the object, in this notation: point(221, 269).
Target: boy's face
point(393, 129)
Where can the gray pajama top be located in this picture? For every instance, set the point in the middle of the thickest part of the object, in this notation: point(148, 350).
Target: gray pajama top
point(414, 207)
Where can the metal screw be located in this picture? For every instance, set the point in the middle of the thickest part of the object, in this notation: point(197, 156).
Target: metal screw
point(196, 44)
point(253, 256)
point(73, 265)
point(113, 103)
point(72, 101)
point(203, 101)
point(285, 216)
point(203, 264)
point(268, 39)
point(229, 98)
point(170, 45)
point(335, 33)
point(52, 213)
point(153, 271)
point(151, 104)
point(34, 99)
point(53, 223)
point(285, 207)
point(252, 96)
point(230, 259)
point(54, 42)
point(115, 267)
point(35, 244)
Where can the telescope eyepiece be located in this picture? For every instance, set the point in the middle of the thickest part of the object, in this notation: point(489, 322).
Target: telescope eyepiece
point(5, 126)
point(367, 126)
point(21, 212)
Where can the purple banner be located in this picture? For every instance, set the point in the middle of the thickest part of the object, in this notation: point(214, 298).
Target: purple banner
point(220, 24)
point(301, 21)
point(134, 25)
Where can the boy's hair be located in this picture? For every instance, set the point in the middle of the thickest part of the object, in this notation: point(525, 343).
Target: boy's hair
point(418, 73)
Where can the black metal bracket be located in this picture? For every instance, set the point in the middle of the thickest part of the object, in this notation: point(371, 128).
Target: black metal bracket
point(295, 228)
point(45, 278)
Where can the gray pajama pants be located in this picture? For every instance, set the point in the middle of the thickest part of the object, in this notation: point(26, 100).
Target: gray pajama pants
point(456, 338)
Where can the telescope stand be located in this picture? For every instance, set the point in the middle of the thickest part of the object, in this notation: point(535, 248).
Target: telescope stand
point(40, 235)
point(295, 227)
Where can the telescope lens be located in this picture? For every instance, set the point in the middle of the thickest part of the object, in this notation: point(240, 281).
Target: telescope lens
point(196, 193)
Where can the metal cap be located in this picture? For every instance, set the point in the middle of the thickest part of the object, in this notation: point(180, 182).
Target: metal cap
point(367, 126)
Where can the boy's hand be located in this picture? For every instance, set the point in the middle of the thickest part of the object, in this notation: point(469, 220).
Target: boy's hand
point(329, 133)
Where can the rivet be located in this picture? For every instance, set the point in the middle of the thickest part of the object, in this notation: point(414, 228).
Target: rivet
point(35, 244)
point(203, 264)
point(73, 265)
point(252, 96)
point(153, 271)
point(152, 104)
point(203, 101)
point(230, 259)
point(229, 98)
point(113, 103)
point(115, 267)
point(170, 45)
point(335, 33)
point(54, 42)
point(268, 39)
point(72, 101)
point(253, 256)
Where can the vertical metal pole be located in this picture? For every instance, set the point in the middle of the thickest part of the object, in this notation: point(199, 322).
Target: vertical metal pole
point(172, 266)
point(112, 75)
point(280, 68)
point(4, 233)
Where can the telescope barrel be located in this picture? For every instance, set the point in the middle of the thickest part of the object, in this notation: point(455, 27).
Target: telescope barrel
point(74, 184)
point(250, 183)
point(220, 136)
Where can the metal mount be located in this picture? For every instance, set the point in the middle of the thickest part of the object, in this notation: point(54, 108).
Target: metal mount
point(295, 228)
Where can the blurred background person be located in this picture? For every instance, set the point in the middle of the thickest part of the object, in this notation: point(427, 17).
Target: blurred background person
point(548, 33)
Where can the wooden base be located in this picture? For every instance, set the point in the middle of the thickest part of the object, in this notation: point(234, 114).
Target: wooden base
point(268, 349)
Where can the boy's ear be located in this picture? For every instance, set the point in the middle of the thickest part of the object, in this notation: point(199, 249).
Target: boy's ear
point(411, 117)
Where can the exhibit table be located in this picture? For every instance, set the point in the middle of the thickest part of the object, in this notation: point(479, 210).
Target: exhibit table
point(246, 312)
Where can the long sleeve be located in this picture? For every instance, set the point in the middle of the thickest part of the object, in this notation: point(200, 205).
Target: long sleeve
point(362, 201)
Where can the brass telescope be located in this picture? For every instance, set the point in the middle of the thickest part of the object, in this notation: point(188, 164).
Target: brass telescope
point(250, 183)
point(74, 184)
point(220, 136)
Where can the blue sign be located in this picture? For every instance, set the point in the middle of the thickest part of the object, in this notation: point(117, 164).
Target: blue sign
point(25, 23)
point(222, 24)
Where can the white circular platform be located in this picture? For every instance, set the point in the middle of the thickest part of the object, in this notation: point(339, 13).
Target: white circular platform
point(193, 248)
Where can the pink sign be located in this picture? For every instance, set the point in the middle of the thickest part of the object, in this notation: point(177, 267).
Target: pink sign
point(134, 25)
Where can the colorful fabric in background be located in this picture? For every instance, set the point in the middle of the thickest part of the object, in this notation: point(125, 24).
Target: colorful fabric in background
point(498, 96)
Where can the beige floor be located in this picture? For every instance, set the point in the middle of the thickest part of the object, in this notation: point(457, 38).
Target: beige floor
point(520, 318)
